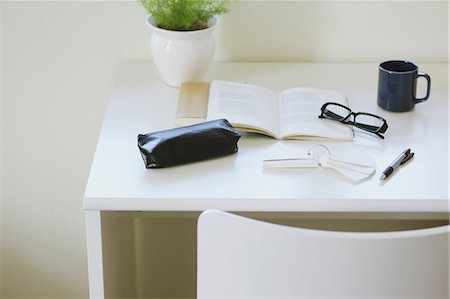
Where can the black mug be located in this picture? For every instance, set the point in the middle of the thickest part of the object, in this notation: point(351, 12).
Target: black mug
point(397, 80)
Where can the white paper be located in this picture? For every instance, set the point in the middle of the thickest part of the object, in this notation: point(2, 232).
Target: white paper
point(352, 171)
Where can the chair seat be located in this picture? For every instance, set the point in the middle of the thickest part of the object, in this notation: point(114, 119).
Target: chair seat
point(240, 257)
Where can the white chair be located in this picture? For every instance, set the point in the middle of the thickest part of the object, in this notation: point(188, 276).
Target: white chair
point(240, 257)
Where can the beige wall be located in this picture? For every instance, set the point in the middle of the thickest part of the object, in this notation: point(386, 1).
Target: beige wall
point(58, 64)
point(334, 31)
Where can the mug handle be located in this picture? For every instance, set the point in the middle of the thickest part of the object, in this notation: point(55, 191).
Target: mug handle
point(428, 87)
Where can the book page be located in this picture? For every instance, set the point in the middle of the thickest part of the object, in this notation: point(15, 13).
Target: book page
point(247, 107)
point(299, 115)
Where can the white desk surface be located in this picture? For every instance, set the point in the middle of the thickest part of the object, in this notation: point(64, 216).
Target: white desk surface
point(141, 103)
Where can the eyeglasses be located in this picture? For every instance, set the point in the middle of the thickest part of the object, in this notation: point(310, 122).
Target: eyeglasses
point(365, 121)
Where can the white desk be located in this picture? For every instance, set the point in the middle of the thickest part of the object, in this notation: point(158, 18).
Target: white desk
point(141, 103)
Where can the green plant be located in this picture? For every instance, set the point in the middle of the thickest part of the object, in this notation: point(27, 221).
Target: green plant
point(184, 15)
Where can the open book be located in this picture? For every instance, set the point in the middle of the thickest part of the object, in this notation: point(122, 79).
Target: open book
point(293, 114)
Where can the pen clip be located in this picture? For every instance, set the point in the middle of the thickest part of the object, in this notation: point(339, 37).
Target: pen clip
point(407, 158)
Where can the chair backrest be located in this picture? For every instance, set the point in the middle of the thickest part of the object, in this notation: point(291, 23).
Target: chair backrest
point(241, 258)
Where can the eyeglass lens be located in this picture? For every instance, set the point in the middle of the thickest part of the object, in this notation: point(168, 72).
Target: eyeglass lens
point(336, 112)
point(368, 122)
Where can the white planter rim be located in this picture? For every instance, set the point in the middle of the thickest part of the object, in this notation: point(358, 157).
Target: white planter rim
point(212, 24)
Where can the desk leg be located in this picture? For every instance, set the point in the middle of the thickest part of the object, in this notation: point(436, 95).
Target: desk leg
point(94, 254)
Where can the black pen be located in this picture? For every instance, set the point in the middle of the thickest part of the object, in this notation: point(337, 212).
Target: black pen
point(402, 159)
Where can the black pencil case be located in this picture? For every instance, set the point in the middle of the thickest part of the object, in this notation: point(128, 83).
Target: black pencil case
point(188, 144)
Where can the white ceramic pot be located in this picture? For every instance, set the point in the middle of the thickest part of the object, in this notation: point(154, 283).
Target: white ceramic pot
point(182, 56)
